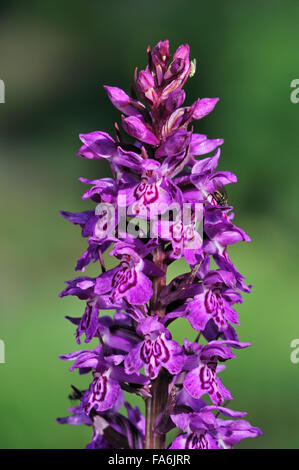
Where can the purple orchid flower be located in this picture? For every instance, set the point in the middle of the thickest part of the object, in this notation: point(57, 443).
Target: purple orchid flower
point(156, 350)
point(207, 180)
point(87, 220)
point(150, 195)
point(183, 232)
point(214, 301)
point(125, 103)
point(201, 364)
point(129, 280)
point(203, 430)
point(164, 202)
point(105, 389)
point(83, 288)
point(111, 430)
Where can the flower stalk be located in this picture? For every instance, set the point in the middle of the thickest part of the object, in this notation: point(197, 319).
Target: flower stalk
point(155, 405)
point(157, 402)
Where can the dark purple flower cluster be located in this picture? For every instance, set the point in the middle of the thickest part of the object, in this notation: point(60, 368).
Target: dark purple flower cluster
point(159, 177)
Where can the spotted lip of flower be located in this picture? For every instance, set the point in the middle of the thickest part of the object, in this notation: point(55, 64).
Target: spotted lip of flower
point(214, 302)
point(88, 323)
point(199, 439)
point(155, 351)
point(183, 232)
point(203, 430)
point(197, 430)
point(202, 366)
point(127, 280)
point(148, 191)
point(105, 390)
point(151, 194)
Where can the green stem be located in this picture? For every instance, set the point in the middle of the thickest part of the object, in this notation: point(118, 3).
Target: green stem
point(156, 404)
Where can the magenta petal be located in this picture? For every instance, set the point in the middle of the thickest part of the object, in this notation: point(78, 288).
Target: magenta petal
point(232, 432)
point(197, 313)
point(137, 129)
point(142, 292)
point(97, 145)
point(192, 383)
point(222, 178)
point(181, 420)
point(207, 165)
point(122, 101)
point(200, 146)
point(133, 361)
point(104, 281)
point(179, 442)
point(225, 411)
point(175, 362)
point(220, 393)
point(204, 107)
point(229, 237)
point(103, 393)
point(158, 178)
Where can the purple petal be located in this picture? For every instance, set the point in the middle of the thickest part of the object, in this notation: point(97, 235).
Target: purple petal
point(204, 107)
point(97, 145)
point(133, 361)
point(137, 129)
point(103, 393)
point(104, 281)
point(122, 101)
point(201, 145)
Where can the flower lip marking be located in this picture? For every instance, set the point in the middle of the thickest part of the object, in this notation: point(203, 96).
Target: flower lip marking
point(125, 277)
point(148, 189)
point(215, 306)
point(154, 350)
point(195, 441)
point(207, 377)
point(99, 391)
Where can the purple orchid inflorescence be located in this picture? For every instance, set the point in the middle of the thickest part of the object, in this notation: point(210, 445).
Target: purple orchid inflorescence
point(164, 202)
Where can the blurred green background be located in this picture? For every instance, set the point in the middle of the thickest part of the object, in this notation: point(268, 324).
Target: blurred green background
point(54, 58)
